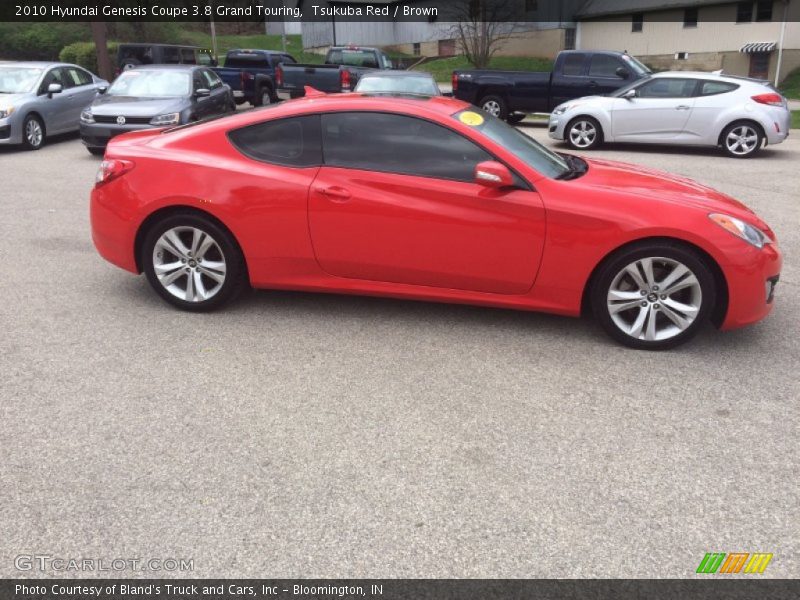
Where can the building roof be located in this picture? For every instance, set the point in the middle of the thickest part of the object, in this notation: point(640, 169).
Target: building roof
point(605, 8)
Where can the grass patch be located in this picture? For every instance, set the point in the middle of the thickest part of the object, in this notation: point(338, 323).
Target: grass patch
point(791, 85)
point(442, 69)
point(796, 119)
point(294, 45)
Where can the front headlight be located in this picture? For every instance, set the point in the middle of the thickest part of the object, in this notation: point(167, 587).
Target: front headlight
point(750, 234)
point(87, 116)
point(169, 119)
point(6, 112)
point(560, 110)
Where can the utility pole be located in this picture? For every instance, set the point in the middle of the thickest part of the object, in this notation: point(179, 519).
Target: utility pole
point(780, 43)
point(214, 40)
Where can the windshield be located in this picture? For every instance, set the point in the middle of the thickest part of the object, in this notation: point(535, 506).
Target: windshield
point(18, 80)
point(635, 65)
point(152, 84)
point(618, 93)
point(398, 85)
point(522, 146)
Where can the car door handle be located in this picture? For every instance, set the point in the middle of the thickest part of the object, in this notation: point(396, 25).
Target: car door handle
point(335, 193)
point(682, 107)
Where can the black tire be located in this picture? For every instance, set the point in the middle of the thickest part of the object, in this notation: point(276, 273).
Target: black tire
point(240, 101)
point(745, 149)
point(97, 151)
point(264, 96)
point(31, 141)
point(656, 304)
point(515, 118)
point(494, 105)
point(588, 124)
point(225, 250)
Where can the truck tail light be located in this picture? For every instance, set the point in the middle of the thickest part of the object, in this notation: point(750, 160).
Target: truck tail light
point(771, 99)
point(345, 79)
point(110, 170)
point(279, 76)
point(455, 81)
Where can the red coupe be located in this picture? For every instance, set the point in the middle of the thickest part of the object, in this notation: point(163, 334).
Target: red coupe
point(426, 198)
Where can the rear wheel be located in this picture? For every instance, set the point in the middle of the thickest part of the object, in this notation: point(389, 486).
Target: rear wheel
point(742, 140)
point(584, 133)
point(192, 262)
point(515, 118)
point(495, 106)
point(264, 96)
point(653, 296)
point(97, 151)
point(32, 133)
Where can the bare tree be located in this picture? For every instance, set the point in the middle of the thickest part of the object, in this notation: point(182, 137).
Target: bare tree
point(100, 37)
point(483, 26)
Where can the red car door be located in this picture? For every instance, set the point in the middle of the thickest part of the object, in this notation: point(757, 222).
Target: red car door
point(395, 201)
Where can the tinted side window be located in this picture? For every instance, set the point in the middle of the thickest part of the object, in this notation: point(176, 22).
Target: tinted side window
point(171, 56)
point(188, 57)
point(247, 61)
point(667, 88)
point(573, 65)
point(711, 88)
point(53, 76)
point(603, 65)
point(398, 144)
point(78, 77)
point(212, 79)
point(293, 142)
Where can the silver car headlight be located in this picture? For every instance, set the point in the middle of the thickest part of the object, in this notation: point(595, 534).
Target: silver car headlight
point(87, 116)
point(168, 119)
point(560, 110)
point(6, 112)
point(750, 234)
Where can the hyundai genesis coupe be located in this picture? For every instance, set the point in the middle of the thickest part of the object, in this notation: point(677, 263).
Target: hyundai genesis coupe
point(426, 198)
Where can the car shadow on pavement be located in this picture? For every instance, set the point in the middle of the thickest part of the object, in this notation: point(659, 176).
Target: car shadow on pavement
point(764, 153)
point(49, 141)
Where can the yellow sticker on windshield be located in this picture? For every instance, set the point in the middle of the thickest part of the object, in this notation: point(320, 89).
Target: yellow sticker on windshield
point(470, 118)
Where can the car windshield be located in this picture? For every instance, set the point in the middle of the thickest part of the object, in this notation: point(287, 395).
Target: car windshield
point(18, 80)
point(635, 65)
point(152, 84)
point(424, 86)
point(525, 148)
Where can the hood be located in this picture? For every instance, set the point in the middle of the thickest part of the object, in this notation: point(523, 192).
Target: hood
point(655, 185)
point(7, 100)
point(129, 106)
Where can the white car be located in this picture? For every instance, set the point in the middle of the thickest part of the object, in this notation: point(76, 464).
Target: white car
point(679, 108)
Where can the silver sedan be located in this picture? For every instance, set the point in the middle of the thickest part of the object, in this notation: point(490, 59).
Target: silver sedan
point(39, 99)
point(681, 108)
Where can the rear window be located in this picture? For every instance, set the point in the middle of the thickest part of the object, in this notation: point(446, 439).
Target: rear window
point(245, 61)
point(353, 58)
point(711, 88)
point(292, 142)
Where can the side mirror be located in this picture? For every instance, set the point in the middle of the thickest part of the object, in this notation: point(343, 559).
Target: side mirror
point(629, 95)
point(622, 73)
point(202, 93)
point(493, 174)
point(54, 88)
point(102, 89)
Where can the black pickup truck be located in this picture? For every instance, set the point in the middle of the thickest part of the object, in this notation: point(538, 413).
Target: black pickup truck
point(576, 73)
point(342, 68)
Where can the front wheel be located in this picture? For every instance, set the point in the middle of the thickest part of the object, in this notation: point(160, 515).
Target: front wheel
point(515, 118)
point(495, 106)
point(742, 140)
point(653, 296)
point(32, 133)
point(192, 262)
point(584, 133)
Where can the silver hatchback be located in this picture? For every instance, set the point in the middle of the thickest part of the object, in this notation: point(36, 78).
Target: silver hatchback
point(39, 99)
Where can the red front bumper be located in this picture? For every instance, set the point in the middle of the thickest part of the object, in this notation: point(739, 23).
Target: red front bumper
point(751, 279)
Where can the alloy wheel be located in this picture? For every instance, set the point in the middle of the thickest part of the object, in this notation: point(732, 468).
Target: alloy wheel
point(492, 107)
point(582, 134)
point(742, 140)
point(654, 299)
point(33, 133)
point(189, 264)
point(266, 99)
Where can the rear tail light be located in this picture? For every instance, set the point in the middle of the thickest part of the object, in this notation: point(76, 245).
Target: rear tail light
point(279, 76)
point(455, 81)
point(771, 99)
point(345, 79)
point(111, 169)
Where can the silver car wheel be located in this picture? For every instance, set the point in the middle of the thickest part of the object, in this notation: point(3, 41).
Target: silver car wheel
point(582, 134)
point(742, 140)
point(492, 107)
point(34, 133)
point(266, 98)
point(189, 263)
point(654, 299)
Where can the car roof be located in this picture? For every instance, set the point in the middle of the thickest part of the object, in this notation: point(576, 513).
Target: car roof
point(148, 45)
point(166, 67)
point(705, 75)
point(401, 74)
point(38, 64)
point(255, 50)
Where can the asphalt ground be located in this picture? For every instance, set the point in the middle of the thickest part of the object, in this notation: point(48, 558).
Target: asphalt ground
point(301, 435)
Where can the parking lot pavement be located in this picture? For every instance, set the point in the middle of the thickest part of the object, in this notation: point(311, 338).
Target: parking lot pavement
point(329, 436)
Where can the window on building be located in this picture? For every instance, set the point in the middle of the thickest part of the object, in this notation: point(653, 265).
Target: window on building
point(573, 65)
point(681, 55)
point(764, 10)
point(690, 17)
point(637, 22)
point(744, 12)
point(569, 39)
point(417, 49)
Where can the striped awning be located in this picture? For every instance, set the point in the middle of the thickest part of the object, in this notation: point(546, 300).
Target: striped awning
point(758, 47)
